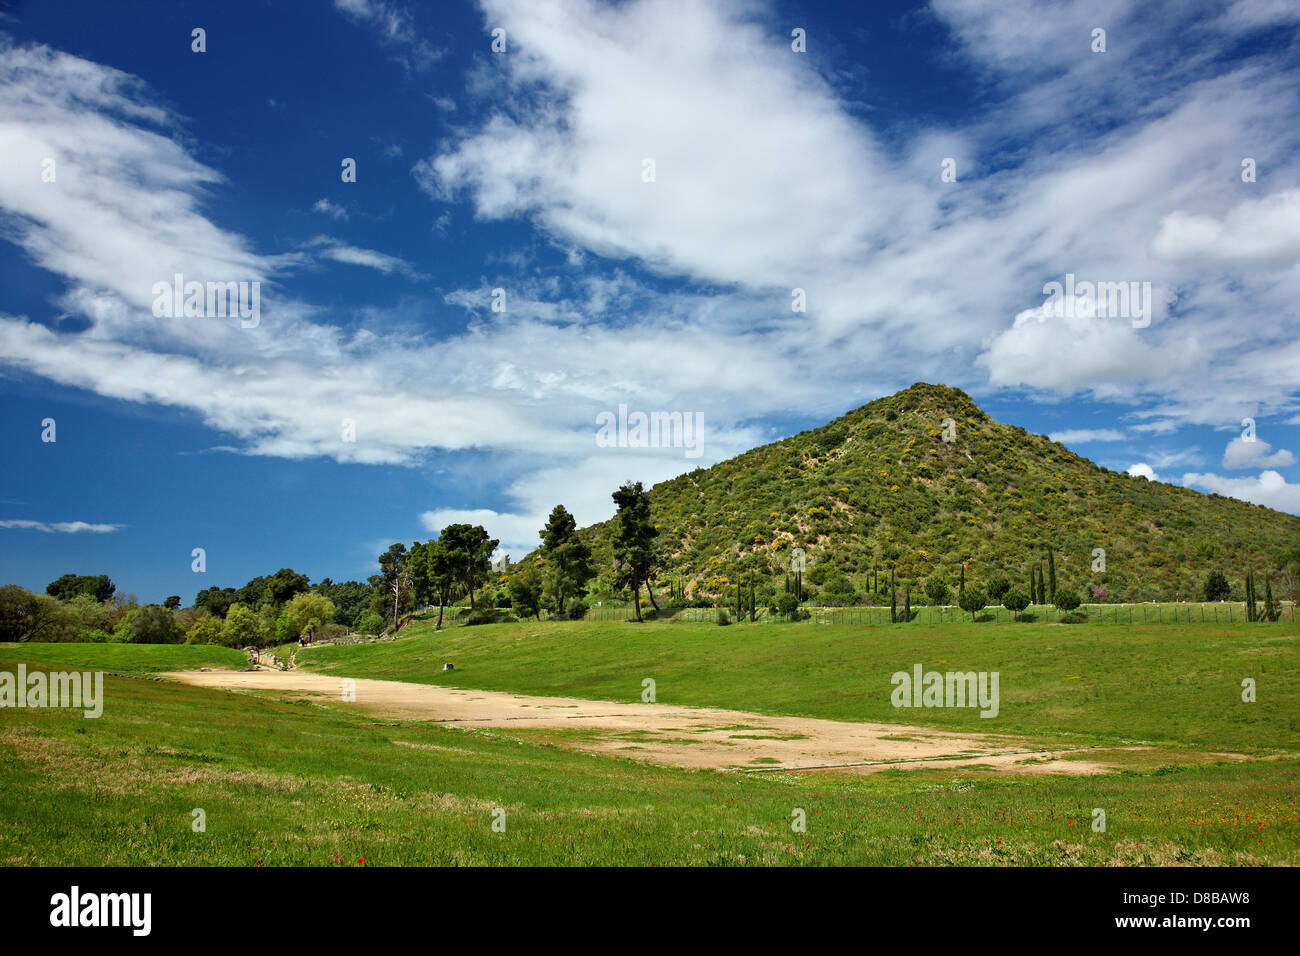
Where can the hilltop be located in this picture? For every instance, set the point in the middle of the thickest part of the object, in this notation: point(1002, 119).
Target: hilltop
point(880, 488)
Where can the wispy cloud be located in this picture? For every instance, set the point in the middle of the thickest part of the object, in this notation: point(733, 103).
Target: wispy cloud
point(1081, 435)
point(61, 527)
point(367, 258)
point(330, 209)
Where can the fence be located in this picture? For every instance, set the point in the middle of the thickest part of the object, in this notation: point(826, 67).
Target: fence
point(873, 616)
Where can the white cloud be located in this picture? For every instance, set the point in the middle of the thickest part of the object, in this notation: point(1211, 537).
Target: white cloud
point(1255, 454)
point(62, 527)
point(1269, 489)
point(1256, 230)
point(1074, 353)
point(1248, 15)
point(396, 29)
point(367, 258)
point(330, 209)
point(1164, 459)
point(773, 182)
point(1142, 470)
point(583, 484)
point(1081, 435)
point(517, 534)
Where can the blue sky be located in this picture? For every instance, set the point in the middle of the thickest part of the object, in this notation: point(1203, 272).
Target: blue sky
point(525, 170)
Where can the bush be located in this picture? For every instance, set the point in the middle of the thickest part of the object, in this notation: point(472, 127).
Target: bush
point(972, 600)
point(578, 609)
point(329, 632)
point(1217, 587)
point(937, 591)
point(93, 635)
point(1066, 600)
point(370, 623)
point(483, 613)
point(1074, 618)
point(723, 617)
point(1015, 602)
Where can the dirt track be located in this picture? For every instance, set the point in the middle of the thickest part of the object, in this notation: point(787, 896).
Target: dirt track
point(696, 737)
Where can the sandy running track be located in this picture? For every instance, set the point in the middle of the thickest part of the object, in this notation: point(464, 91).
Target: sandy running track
point(696, 737)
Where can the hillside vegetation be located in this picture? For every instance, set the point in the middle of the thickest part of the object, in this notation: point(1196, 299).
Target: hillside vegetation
point(879, 488)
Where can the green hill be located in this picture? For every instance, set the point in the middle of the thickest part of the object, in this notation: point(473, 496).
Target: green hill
point(879, 488)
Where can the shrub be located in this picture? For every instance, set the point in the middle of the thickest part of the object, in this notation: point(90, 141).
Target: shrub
point(329, 632)
point(937, 591)
point(972, 600)
point(1015, 602)
point(788, 605)
point(723, 617)
point(370, 623)
point(998, 587)
point(93, 635)
point(1217, 587)
point(1066, 600)
point(577, 609)
point(1074, 618)
point(482, 614)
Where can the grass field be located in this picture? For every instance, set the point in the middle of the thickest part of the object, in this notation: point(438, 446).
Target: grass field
point(296, 782)
point(1174, 683)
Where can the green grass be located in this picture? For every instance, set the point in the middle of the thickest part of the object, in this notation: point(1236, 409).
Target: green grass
point(309, 784)
point(126, 658)
point(1178, 684)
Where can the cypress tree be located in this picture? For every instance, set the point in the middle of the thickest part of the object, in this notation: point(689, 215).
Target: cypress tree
point(907, 604)
point(893, 607)
point(962, 586)
point(1051, 574)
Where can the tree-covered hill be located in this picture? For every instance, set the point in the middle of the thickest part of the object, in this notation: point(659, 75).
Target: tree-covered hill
point(880, 488)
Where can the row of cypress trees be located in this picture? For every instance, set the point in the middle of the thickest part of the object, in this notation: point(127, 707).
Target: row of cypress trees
point(1271, 610)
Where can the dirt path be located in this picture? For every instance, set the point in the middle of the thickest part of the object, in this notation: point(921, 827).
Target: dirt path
point(696, 737)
